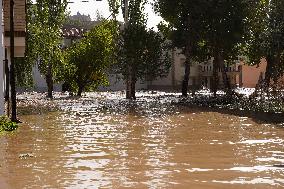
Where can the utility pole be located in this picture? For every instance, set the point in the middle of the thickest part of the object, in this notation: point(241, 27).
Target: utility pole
point(12, 66)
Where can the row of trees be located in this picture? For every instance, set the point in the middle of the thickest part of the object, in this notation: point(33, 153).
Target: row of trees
point(132, 50)
point(223, 29)
point(226, 29)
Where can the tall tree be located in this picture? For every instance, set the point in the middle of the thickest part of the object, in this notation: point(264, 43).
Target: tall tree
point(203, 29)
point(88, 59)
point(265, 37)
point(224, 31)
point(143, 53)
point(45, 20)
point(186, 18)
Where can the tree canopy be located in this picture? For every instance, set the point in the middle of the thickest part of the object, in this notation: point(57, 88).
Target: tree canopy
point(88, 59)
point(265, 36)
point(186, 20)
point(205, 29)
point(44, 23)
point(142, 53)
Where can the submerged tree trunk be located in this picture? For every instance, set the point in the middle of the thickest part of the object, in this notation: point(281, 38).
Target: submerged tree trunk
point(132, 88)
point(277, 71)
point(187, 64)
point(128, 88)
point(184, 88)
point(80, 90)
point(215, 75)
point(226, 82)
point(130, 83)
point(49, 81)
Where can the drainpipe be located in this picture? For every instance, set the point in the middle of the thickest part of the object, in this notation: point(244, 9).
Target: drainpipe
point(2, 106)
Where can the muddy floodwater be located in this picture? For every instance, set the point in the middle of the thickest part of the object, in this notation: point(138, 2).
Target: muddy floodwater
point(105, 141)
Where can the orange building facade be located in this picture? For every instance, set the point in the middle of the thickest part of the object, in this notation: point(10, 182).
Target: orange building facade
point(201, 74)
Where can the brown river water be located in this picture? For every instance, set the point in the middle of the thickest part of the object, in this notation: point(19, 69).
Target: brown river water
point(104, 141)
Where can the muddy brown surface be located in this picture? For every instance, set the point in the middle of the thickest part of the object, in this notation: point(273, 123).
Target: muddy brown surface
point(104, 141)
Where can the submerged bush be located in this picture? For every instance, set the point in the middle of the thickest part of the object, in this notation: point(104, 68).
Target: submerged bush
point(7, 125)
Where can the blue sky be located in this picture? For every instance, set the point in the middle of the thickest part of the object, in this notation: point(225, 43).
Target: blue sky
point(92, 6)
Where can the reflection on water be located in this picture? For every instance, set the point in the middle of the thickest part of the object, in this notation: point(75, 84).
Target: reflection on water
point(105, 141)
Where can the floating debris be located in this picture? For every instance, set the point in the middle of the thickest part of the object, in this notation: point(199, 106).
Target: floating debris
point(26, 156)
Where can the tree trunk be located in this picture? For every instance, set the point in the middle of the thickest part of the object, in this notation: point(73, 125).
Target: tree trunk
point(215, 75)
point(226, 82)
point(268, 72)
point(132, 88)
point(80, 90)
point(130, 83)
point(184, 88)
point(128, 88)
point(276, 70)
point(49, 81)
point(187, 65)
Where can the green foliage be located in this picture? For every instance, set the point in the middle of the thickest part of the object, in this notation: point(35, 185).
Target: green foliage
point(114, 7)
point(88, 59)
point(256, 25)
point(265, 36)
point(204, 26)
point(143, 53)
point(7, 125)
point(185, 19)
point(44, 22)
point(224, 26)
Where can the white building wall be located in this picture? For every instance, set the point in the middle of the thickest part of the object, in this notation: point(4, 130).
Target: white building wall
point(40, 83)
point(116, 83)
point(179, 60)
point(176, 73)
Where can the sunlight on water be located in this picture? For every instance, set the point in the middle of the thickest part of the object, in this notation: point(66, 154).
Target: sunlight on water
point(105, 141)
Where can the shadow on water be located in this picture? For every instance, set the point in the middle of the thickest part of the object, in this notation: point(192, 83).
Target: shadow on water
point(258, 117)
